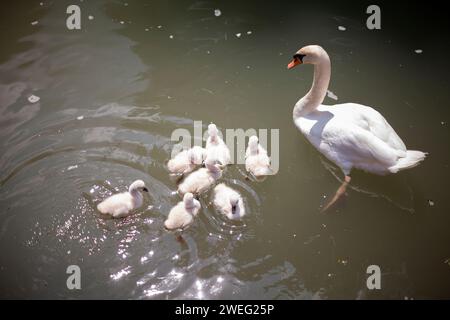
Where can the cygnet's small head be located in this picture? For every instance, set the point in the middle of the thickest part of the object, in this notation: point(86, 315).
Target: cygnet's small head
point(253, 144)
point(312, 54)
point(138, 185)
point(212, 131)
point(234, 201)
point(211, 165)
point(192, 156)
point(188, 200)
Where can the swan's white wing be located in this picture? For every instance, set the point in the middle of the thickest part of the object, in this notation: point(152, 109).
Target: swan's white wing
point(353, 135)
point(350, 145)
point(374, 121)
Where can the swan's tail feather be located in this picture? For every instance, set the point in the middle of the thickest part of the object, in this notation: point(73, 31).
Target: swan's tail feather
point(102, 207)
point(412, 159)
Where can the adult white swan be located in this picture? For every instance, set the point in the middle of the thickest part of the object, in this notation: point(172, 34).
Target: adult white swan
point(350, 135)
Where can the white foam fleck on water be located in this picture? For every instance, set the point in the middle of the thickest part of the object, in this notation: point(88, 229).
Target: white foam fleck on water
point(91, 17)
point(238, 35)
point(122, 22)
point(33, 98)
point(80, 117)
point(418, 51)
point(171, 36)
point(342, 28)
point(249, 32)
point(217, 12)
point(72, 167)
point(431, 203)
point(331, 95)
point(34, 23)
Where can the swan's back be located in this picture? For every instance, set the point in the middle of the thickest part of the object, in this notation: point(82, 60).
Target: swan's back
point(353, 135)
point(117, 205)
point(314, 125)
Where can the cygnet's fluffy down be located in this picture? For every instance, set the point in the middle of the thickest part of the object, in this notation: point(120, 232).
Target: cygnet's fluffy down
point(187, 160)
point(183, 214)
point(216, 149)
point(121, 204)
point(229, 202)
point(257, 162)
point(202, 179)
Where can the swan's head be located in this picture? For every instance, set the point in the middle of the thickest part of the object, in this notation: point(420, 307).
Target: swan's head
point(212, 131)
point(188, 200)
point(312, 54)
point(234, 201)
point(138, 185)
point(253, 144)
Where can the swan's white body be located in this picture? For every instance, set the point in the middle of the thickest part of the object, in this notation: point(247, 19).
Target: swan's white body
point(229, 202)
point(216, 148)
point(202, 179)
point(187, 160)
point(183, 214)
point(350, 135)
point(257, 162)
point(121, 204)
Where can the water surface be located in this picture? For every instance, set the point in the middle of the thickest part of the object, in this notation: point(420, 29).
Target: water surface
point(111, 95)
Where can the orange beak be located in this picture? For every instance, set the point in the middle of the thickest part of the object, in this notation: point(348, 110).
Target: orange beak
point(293, 63)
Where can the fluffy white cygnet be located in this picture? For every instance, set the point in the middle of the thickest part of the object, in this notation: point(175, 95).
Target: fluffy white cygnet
point(257, 161)
point(121, 204)
point(216, 148)
point(183, 214)
point(187, 160)
point(229, 202)
point(200, 180)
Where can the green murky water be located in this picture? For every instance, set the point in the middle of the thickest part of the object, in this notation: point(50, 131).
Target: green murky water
point(111, 95)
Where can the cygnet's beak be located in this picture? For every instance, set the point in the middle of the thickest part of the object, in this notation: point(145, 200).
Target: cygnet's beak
point(294, 62)
point(233, 209)
point(145, 189)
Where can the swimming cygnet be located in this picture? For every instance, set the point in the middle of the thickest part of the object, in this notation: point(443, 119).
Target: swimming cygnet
point(200, 180)
point(121, 204)
point(187, 160)
point(229, 202)
point(257, 161)
point(216, 148)
point(183, 214)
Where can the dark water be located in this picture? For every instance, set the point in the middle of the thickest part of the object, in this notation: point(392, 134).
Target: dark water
point(111, 95)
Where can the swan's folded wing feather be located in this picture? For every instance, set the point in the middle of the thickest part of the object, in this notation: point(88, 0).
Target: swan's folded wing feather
point(361, 145)
point(379, 127)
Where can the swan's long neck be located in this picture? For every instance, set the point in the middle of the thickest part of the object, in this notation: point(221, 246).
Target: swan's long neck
point(315, 96)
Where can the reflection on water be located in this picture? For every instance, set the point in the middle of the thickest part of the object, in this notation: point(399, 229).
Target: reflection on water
point(112, 94)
